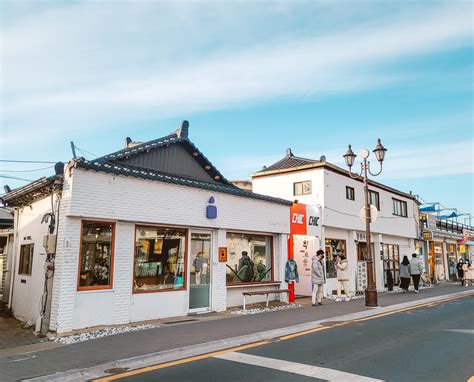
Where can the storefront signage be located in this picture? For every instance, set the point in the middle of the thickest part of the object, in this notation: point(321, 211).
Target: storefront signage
point(211, 210)
point(361, 276)
point(222, 254)
point(361, 236)
point(427, 235)
point(304, 220)
point(468, 234)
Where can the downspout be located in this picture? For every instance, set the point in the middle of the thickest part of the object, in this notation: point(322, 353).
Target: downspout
point(16, 226)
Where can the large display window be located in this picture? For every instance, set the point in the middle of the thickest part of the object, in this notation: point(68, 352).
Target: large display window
point(250, 258)
point(96, 255)
point(334, 248)
point(391, 263)
point(160, 258)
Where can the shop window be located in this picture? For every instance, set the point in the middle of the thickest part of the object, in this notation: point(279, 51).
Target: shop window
point(374, 199)
point(333, 248)
point(350, 193)
point(302, 188)
point(391, 262)
point(249, 258)
point(26, 259)
point(160, 258)
point(399, 208)
point(96, 255)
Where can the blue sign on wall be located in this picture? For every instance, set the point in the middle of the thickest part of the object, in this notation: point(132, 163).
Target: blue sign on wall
point(211, 210)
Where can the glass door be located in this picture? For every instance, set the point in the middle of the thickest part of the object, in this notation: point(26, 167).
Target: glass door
point(200, 271)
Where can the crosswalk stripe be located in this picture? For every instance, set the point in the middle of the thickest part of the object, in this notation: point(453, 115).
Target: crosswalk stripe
point(295, 368)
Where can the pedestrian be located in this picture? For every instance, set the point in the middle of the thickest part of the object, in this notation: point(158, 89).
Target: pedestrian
point(459, 268)
point(469, 275)
point(416, 269)
point(318, 278)
point(466, 272)
point(405, 273)
point(342, 275)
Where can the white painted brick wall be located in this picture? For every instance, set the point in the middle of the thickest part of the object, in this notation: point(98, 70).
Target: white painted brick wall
point(130, 201)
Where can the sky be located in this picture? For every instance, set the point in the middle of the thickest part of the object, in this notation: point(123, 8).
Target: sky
point(253, 78)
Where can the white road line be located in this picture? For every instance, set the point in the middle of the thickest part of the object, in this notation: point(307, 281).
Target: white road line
point(466, 331)
point(295, 368)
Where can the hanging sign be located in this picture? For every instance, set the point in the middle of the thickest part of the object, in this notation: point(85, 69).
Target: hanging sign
point(468, 234)
point(304, 220)
point(427, 235)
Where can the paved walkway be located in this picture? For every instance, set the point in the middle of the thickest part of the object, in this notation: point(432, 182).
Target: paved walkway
point(12, 332)
point(168, 337)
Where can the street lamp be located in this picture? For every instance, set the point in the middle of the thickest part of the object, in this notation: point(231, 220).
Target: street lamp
point(349, 157)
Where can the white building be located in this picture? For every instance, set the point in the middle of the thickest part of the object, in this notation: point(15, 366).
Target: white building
point(150, 231)
point(340, 198)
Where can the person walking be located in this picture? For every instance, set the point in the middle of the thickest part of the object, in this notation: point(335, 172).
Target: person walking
point(405, 273)
point(416, 269)
point(318, 278)
point(465, 269)
point(459, 268)
point(342, 275)
point(469, 275)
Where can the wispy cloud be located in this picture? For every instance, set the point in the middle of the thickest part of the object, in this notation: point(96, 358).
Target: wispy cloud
point(293, 67)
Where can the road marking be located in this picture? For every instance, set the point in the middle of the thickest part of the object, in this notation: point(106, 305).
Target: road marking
point(177, 362)
point(244, 347)
point(467, 331)
point(295, 368)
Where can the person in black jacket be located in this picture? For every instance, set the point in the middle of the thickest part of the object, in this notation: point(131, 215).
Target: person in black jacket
point(459, 266)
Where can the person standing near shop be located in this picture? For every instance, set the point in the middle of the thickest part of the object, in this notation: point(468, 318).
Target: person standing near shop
point(459, 268)
point(465, 269)
point(318, 278)
point(405, 273)
point(342, 275)
point(198, 264)
point(416, 269)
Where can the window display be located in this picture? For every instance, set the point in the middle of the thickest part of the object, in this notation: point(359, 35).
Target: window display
point(249, 258)
point(391, 263)
point(333, 248)
point(96, 257)
point(159, 259)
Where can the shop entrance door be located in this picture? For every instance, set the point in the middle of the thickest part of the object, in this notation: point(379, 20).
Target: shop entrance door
point(200, 271)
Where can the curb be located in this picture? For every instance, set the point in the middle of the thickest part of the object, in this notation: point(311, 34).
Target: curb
point(138, 362)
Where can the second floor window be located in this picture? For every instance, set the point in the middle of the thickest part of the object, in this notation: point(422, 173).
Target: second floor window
point(374, 199)
point(350, 193)
point(302, 188)
point(399, 208)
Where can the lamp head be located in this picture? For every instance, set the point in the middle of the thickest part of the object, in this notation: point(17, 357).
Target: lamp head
point(379, 151)
point(349, 157)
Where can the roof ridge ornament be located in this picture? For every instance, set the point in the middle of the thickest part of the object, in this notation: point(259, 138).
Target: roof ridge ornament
point(183, 131)
point(289, 153)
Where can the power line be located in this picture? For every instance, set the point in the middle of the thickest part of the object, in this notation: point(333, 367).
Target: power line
point(25, 161)
point(15, 178)
point(36, 169)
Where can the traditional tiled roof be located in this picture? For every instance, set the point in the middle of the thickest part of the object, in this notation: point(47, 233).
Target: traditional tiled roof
point(289, 161)
point(138, 172)
point(33, 191)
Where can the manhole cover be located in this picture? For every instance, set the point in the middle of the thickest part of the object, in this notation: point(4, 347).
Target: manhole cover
point(116, 370)
point(179, 322)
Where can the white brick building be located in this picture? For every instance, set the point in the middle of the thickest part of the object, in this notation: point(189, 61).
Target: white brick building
point(139, 234)
point(340, 199)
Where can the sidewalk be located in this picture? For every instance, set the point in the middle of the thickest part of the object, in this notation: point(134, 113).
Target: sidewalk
point(199, 331)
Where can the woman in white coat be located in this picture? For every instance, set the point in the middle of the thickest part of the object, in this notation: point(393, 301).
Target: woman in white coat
point(342, 274)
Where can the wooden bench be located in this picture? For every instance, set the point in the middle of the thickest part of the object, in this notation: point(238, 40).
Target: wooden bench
point(264, 292)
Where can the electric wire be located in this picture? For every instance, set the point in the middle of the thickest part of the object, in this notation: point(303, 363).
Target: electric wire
point(36, 169)
point(25, 161)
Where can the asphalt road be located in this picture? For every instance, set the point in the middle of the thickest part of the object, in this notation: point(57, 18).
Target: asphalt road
point(434, 343)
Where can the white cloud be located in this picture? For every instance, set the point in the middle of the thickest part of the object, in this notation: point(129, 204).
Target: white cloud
point(86, 80)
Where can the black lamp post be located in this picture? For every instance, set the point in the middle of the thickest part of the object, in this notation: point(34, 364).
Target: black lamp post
point(349, 157)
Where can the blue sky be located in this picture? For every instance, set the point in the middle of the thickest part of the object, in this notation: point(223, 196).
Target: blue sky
point(253, 78)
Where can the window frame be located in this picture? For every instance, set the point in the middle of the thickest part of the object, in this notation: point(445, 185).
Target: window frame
point(350, 190)
point(377, 198)
point(185, 270)
point(112, 258)
point(272, 253)
point(402, 204)
point(302, 188)
point(22, 259)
